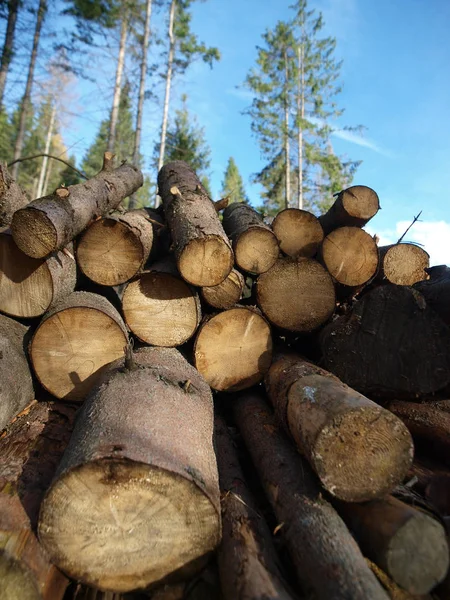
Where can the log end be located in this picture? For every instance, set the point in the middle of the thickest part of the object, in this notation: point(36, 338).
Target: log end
point(360, 202)
point(256, 250)
point(298, 231)
point(206, 261)
point(405, 264)
point(226, 294)
point(34, 233)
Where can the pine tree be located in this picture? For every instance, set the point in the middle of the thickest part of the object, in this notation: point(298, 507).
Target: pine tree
point(233, 185)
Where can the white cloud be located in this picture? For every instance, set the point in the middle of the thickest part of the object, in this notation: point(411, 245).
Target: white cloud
point(241, 93)
point(359, 140)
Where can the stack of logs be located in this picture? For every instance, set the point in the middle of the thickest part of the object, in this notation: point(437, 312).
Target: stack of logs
point(327, 356)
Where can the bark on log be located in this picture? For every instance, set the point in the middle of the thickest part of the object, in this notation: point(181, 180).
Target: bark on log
point(354, 207)
point(30, 449)
point(423, 471)
point(136, 496)
point(115, 248)
point(408, 544)
point(50, 223)
point(74, 342)
point(390, 345)
point(30, 286)
point(436, 291)
point(247, 559)
point(16, 384)
point(12, 196)
point(233, 349)
point(227, 294)
point(403, 264)
point(255, 245)
point(299, 232)
point(296, 294)
point(326, 558)
point(83, 592)
point(339, 431)
point(203, 251)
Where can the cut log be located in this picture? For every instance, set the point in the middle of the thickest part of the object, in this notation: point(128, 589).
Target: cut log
point(436, 291)
point(75, 340)
point(296, 294)
point(50, 223)
point(16, 384)
point(30, 286)
point(354, 207)
point(403, 264)
point(160, 308)
point(247, 559)
point(298, 231)
point(12, 196)
point(350, 255)
point(254, 243)
point(203, 251)
point(408, 544)
point(390, 345)
point(115, 248)
point(392, 589)
point(136, 496)
point(226, 294)
point(30, 449)
point(339, 431)
point(326, 558)
point(233, 349)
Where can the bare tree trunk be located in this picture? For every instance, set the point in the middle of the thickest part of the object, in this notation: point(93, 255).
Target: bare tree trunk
point(7, 52)
point(25, 104)
point(47, 177)
point(48, 141)
point(300, 117)
point(286, 134)
point(118, 85)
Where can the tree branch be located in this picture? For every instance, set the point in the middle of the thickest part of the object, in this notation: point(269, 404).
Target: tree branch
point(49, 156)
point(414, 221)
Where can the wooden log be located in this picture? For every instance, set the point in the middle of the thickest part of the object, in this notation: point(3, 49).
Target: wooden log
point(226, 294)
point(30, 286)
point(437, 492)
point(392, 589)
point(233, 349)
point(350, 255)
point(436, 290)
point(423, 471)
point(247, 559)
point(50, 223)
point(12, 196)
point(75, 340)
point(30, 448)
point(339, 431)
point(136, 496)
point(408, 544)
point(296, 294)
point(255, 245)
point(16, 384)
point(160, 308)
point(299, 232)
point(403, 264)
point(203, 251)
point(326, 558)
point(354, 207)
point(389, 345)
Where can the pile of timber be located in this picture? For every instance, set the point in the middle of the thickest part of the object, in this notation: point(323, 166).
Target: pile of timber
point(195, 404)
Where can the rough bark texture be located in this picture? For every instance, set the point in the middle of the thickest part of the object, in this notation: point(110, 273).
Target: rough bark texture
point(254, 243)
point(325, 556)
point(299, 232)
point(296, 294)
point(203, 251)
point(12, 196)
point(8, 44)
point(227, 294)
point(233, 349)
point(30, 449)
point(390, 345)
point(50, 223)
point(436, 291)
point(136, 496)
point(16, 384)
point(75, 340)
point(339, 431)
point(247, 559)
point(403, 264)
point(354, 207)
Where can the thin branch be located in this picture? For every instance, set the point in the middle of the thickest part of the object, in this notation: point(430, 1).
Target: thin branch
point(49, 156)
point(414, 221)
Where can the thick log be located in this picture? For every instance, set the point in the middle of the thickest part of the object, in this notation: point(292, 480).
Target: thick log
point(299, 232)
point(50, 223)
point(436, 290)
point(227, 294)
point(326, 558)
point(75, 340)
point(392, 589)
point(255, 245)
point(403, 264)
point(296, 294)
point(203, 251)
point(30, 448)
point(136, 495)
point(16, 384)
point(339, 431)
point(12, 196)
point(30, 286)
point(354, 207)
point(389, 345)
point(247, 559)
point(233, 349)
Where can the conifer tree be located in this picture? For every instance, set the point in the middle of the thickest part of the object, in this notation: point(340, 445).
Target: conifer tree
point(233, 185)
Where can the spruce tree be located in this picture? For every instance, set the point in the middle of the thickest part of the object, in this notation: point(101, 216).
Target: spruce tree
point(233, 185)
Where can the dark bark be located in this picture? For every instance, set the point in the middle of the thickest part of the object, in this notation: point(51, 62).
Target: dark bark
point(436, 291)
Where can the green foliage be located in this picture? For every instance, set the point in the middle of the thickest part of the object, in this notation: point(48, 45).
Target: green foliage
point(233, 185)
